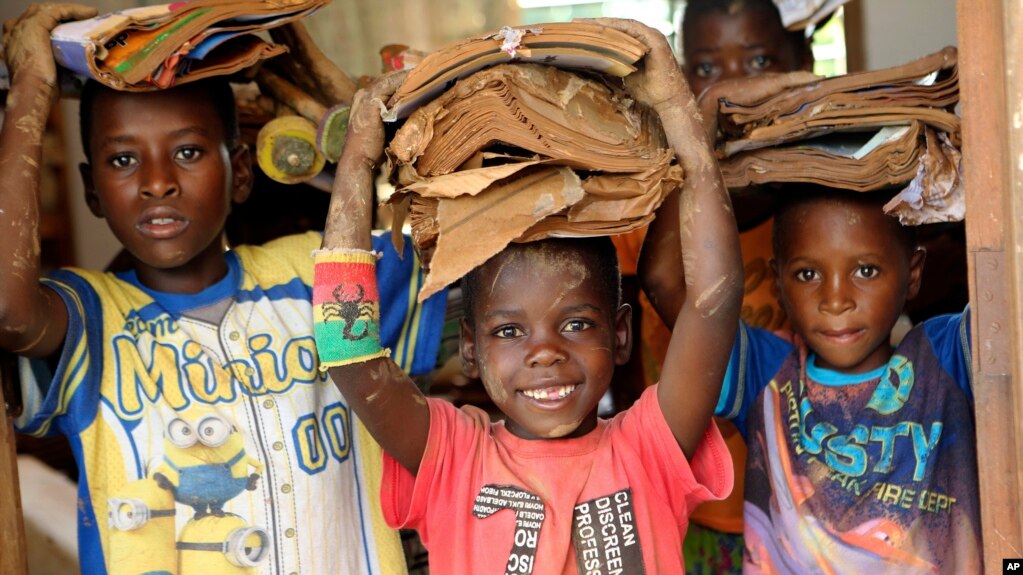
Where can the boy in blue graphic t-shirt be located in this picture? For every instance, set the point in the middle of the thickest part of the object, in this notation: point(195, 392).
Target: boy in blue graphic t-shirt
point(862, 456)
point(207, 438)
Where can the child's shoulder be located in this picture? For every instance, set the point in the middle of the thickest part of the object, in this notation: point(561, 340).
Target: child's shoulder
point(284, 246)
point(280, 260)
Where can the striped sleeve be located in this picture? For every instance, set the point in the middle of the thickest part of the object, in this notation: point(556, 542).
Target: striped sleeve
point(67, 398)
point(411, 329)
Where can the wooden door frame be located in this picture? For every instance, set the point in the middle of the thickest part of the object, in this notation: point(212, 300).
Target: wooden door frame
point(990, 50)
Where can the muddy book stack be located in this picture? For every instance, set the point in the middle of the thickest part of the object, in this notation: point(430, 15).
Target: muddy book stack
point(864, 131)
point(524, 151)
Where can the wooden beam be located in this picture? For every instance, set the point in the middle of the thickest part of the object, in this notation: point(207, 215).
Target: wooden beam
point(13, 558)
point(992, 199)
point(1012, 123)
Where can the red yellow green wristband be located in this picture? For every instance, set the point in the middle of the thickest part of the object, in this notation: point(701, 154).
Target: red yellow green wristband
point(346, 307)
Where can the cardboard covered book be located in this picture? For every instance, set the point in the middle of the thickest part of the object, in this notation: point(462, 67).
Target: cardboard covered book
point(519, 152)
point(572, 45)
point(863, 131)
point(156, 47)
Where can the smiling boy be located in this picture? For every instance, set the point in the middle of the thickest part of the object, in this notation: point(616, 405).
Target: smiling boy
point(552, 488)
point(189, 385)
point(862, 456)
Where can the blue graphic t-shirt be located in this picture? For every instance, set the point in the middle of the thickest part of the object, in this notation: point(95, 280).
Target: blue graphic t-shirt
point(866, 473)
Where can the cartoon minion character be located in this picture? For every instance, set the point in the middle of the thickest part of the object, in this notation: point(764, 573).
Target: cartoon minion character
point(204, 463)
point(222, 545)
point(142, 530)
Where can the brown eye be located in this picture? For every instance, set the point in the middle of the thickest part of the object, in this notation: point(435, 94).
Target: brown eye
point(507, 332)
point(576, 325)
point(867, 272)
point(806, 275)
point(122, 161)
point(705, 70)
point(188, 154)
point(760, 62)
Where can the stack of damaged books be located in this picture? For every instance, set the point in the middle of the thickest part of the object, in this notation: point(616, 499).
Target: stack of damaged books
point(519, 152)
point(571, 45)
point(863, 131)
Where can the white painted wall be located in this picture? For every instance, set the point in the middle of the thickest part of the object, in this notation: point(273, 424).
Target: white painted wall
point(896, 31)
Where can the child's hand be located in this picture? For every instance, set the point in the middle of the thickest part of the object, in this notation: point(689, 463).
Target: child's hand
point(658, 77)
point(366, 126)
point(350, 216)
point(747, 91)
point(27, 42)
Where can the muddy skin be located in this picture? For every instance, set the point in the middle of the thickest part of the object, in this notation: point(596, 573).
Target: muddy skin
point(711, 300)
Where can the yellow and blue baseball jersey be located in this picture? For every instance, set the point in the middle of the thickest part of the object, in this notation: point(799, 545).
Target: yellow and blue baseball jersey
point(207, 439)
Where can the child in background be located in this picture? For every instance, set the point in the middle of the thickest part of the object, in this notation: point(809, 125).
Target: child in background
point(731, 39)
point(552, 489)
point(862, 457)
point(206, 436)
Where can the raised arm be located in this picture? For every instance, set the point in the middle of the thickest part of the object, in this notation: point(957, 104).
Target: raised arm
point(33, 319)
point(660, 263)
point(384, 397)
point(709, 307)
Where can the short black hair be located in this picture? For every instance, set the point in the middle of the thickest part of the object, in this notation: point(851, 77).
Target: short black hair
point(598, 253)
point(216, 89)
point(795, 195)
point(694, 8)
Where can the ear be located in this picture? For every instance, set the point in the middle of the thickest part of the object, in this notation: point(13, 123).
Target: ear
point(467, 349)
point(241, 174)
point(916, 272)
point(91, 199)
point(623, 334)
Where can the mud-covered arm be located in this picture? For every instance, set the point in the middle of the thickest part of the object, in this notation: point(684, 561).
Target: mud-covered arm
point(33, 319)
point(384, 397)
point(708, 314)
point(660, 266)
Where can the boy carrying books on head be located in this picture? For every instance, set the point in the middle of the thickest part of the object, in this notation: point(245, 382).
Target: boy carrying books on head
point(207, 438)
point(552, 488)
point(862, 456)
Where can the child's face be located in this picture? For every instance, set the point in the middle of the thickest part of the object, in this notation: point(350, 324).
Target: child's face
point(843, 278)
point(545, 340)
point(162, 176)
point(718, 46)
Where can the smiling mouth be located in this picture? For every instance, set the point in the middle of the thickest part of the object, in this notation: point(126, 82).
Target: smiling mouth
point(549, 393)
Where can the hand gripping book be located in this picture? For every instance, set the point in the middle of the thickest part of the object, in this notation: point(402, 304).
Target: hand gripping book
point(155, 47)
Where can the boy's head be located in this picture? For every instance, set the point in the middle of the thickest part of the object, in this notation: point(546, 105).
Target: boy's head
point(844, 271)
point(163, 168)
point(544, 328)
point(728, 39)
